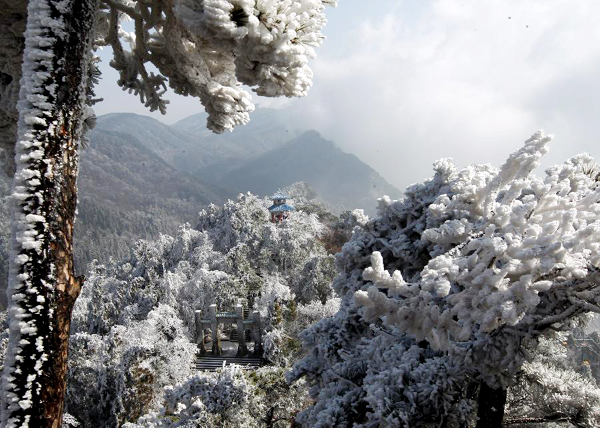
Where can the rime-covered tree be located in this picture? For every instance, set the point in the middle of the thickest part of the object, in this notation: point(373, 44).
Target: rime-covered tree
point(553, 386)
point(133, 329)
point(480, 262)
point(229, 398)
point(202, 48)
point(117, 376)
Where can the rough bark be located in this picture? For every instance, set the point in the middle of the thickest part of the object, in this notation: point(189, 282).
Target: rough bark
point(490, 409)
point(42, 285)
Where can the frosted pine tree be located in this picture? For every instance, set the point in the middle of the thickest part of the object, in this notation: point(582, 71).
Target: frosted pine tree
point(204, 49)
point(444, 288)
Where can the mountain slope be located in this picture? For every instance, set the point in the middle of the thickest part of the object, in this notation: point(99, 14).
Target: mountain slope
point(128, 192)
point(341, 179)
point(188, 146)
point(267, 130)
point(260, 157)
point(169, 143)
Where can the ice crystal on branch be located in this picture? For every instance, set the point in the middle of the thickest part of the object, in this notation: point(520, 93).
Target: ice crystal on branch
point(209, 48)
point(525, 258)
point(461, 273)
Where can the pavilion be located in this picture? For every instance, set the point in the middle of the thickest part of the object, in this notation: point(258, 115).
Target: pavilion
point(280, 210)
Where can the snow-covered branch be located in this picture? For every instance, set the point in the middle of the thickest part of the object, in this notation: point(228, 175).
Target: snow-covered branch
point(532, 237)
point(209, 48)
point(467, 269)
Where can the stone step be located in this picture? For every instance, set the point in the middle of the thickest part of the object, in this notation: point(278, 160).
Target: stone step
point(202, 368)
point(210, 363)
point(230, 360)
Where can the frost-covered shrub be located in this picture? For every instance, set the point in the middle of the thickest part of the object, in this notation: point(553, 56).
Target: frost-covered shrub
point(408, 382)
point(223, 393)
point(229, 398)
point(469, 265)
point(277, 307)
point(93, 380)
point(273, 402)
point(313, 282)
point(312, 312)
point(273, 295)
point(183, 272)
point(234, 223)
point(162, 337)
point(204, 399)
point(273, 344)
point(119, 376)
point(550, 386)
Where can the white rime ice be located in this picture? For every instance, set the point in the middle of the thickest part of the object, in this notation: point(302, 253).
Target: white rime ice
point(30, 226)
point(209, 48)
point(449, 283)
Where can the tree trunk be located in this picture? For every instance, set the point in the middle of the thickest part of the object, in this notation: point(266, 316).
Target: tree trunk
point(471, 392)
point(490, 410)
point(42, 285)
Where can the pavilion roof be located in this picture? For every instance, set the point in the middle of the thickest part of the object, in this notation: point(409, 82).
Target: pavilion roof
point(280, 208)
point(280, 195)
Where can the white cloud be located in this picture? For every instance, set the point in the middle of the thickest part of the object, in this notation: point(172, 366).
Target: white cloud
point(467, 79)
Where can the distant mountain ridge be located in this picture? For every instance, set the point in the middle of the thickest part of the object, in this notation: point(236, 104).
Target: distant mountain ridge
point(340, 178)
point(268, 129)
point(260, 157)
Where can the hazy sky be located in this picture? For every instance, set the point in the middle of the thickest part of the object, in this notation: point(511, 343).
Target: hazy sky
point(403, 83)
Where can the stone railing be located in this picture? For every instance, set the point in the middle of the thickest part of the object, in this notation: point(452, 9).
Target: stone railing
point(216, 318)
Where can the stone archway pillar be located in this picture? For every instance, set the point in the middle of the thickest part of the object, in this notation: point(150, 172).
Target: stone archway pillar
point(257, 333)
point(239, 312)
point(214, 327)
point(200, 331)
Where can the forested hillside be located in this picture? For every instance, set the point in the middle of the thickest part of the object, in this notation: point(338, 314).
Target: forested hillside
point(128, 192)
point(140, 178)
point(133, 327)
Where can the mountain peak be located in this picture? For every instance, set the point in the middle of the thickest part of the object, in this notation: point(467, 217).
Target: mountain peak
point(311, 133)
point(267, 154)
